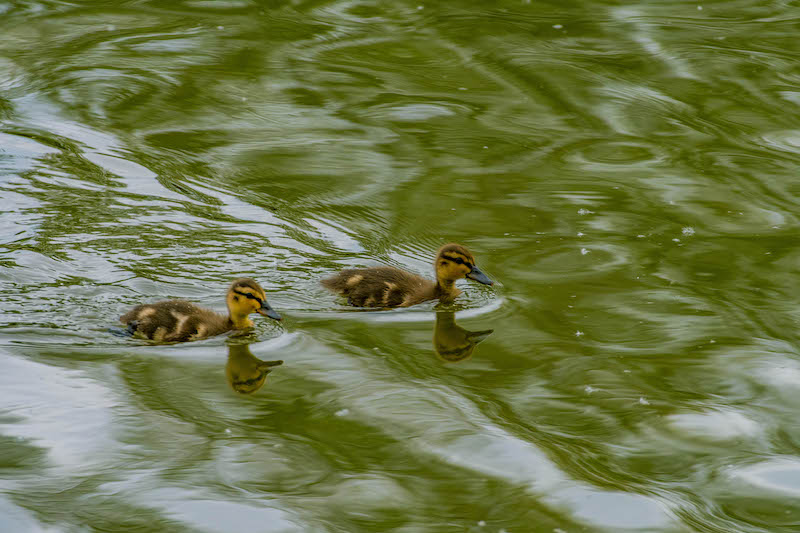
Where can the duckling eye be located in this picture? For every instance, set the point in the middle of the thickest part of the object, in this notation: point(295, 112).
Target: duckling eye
point(250, 296)
point(454, 259)
point(235, 298)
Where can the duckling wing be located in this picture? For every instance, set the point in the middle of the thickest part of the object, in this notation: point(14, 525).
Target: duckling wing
point(168, 321)
point(379, 286)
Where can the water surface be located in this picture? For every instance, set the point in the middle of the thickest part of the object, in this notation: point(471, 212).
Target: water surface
point(626, 172)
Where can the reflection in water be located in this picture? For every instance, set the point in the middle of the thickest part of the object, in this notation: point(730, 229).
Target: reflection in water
point(452, 342)
point(627, 169)
point(245, 372)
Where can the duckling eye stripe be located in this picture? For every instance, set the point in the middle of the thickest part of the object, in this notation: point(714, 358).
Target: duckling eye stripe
point(457, 260)
point(251, 296)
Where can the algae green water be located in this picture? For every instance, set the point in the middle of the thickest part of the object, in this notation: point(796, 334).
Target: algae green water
point(626, 171)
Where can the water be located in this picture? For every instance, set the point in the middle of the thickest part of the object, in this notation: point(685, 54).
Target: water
point(627, 173)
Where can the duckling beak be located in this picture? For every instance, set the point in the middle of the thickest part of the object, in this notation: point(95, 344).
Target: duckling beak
point(479, 276)
point(266, 310)
point(266, 366)
point(479, 336)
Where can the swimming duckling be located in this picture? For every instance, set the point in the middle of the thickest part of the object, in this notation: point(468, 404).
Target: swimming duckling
point(453, 343)
point(179, 320)
point(387, 286)
point(245, 372)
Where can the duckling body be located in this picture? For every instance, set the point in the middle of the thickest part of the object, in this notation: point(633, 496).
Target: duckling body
point(383, 286)
point(175, 321)
point(180, 321)
point(387, 286)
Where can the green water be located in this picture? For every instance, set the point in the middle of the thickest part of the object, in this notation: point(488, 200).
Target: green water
point(627, 172)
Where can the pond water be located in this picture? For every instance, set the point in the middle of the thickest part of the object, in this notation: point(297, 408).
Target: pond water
point(627, 173)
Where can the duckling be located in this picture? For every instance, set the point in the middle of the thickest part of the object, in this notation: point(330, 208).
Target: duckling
point(179, 321)
point(453, 343)
point(387, 286)
point(245, 372)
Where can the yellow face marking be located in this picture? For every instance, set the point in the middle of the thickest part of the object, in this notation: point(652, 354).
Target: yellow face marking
point(248, 290)
point(242, 303)
point(453, 266)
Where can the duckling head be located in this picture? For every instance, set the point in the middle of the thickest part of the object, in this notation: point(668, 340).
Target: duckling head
point(245, 297)
point(455, 262)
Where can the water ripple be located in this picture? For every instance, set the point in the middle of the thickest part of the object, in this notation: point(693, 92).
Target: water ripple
point(627, 174)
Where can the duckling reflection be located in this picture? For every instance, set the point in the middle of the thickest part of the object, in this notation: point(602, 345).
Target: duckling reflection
point(245, 372)
point(453, 343)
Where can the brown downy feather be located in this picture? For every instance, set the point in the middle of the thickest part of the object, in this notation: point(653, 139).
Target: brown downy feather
point(175, 321)
point(381, 287)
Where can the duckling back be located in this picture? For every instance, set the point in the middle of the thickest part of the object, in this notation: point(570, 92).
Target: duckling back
point(174, 321)
point(380, 287)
